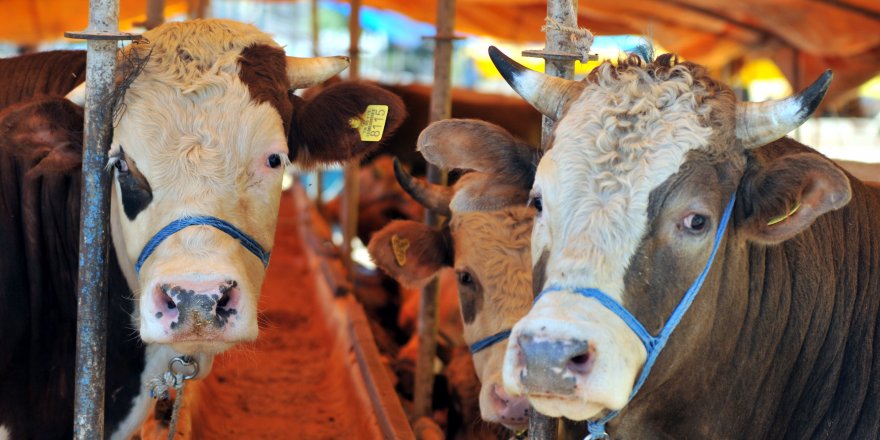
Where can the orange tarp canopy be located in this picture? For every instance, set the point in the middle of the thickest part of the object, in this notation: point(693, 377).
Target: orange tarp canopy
point(35, 21)
point(843, 35)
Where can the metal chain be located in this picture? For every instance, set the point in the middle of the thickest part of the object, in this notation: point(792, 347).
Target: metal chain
point(159, 387)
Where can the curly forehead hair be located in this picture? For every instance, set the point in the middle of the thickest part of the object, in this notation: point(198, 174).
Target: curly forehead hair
point(667, 67)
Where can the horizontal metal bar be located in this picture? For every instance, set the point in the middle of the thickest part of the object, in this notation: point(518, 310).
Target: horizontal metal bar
point(90, 35)
point(556, 56)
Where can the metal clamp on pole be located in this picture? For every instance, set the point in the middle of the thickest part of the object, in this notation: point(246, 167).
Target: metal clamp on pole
point(91, 339)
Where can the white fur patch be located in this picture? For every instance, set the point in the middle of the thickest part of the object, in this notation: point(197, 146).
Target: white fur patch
point(4, 434)
point(621, 139)
point(626, 134)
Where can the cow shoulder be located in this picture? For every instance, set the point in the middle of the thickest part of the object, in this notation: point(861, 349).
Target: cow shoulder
point(411, 252)
point(323, 131)
point(785, 187)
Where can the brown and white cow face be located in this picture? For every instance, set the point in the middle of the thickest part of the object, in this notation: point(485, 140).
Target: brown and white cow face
point(486, 241)
point(205, 130)
point(642, 162)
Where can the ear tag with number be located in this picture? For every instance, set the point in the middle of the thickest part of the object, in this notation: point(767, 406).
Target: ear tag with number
point(371, 124)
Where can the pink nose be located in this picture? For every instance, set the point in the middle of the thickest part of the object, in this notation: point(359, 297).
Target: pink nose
point(512, 411)
point(196, 309)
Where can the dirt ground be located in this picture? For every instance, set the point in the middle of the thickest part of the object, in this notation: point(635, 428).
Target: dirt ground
point(294, 381)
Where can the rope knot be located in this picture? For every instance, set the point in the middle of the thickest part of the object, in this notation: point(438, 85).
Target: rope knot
point(580, 37)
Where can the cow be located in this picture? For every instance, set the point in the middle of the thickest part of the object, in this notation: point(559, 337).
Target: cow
point(486, 240)
point(380, 199)
point(205, 123)
point(661, 193)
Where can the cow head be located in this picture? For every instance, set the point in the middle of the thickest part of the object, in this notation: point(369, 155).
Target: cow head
point(486, 240)
point(642, 162)
point(205, 130)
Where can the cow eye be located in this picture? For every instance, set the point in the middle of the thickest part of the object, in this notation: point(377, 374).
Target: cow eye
point(274, 160)
point(465, 278)
point(121, 165)
point(535, 200)
point(695, 222)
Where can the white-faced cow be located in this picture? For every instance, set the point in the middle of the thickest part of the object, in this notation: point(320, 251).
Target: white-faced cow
point(663, 204)
point(486, 240)
point(204, 128)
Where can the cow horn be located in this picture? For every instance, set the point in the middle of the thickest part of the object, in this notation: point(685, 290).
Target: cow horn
point(308, 72)
point(759, 123)
point(548, 94)
point(78, 95)
point(431, 196)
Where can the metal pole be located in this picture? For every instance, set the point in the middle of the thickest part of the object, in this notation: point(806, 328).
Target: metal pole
point(559, 59)
point(349, 214)
point(91, 339)
point(441, 108)
point(155, 14)
point(565, 13)
point(316, 40)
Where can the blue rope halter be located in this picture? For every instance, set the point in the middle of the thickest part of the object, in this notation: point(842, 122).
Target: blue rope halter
point(653, 344)
point(489, 341)
point(245, 240)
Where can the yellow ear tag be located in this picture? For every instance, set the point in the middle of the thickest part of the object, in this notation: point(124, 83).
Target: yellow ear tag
point(371, 124)
point(783, 217)
point(399, 246)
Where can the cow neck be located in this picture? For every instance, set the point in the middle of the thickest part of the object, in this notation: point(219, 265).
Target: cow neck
point(653, 344)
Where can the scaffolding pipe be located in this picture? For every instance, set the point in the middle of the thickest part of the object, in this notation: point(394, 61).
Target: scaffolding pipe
point(155, 14)
point(563, 12)
point(91, 338)
point(441, 108)
point(349, 212)
point(316, 51)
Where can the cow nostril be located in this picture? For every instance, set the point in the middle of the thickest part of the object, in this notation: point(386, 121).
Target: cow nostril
point(224, 300)
point(581, 363)
point(169, 302)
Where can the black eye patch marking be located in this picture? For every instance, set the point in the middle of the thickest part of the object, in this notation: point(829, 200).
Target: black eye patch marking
point(135, 190)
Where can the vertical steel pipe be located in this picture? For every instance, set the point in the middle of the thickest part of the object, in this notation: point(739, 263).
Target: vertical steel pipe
point(441, 108)
point(351, 192)
point(91, 339)
point(565, 13)
point(316, 51)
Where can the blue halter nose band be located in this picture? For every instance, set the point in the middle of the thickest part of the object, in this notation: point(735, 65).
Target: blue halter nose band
point(653, 344)
point(489, 341)
point(181, 223)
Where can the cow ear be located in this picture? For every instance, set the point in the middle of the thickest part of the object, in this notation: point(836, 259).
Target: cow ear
point(325, 129)
point(782, 197)
point(471, 144)
point(411, 252)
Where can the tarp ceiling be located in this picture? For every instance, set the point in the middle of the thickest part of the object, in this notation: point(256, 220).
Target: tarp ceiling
point(843, 35)
point(30, 22)
point(815, 34)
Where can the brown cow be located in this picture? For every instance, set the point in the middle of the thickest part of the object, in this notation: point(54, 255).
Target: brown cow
point(658, 182)
point(204, 128)
point(486, 240)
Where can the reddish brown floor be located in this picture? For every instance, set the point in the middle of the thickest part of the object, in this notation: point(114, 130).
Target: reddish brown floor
point(291, 383)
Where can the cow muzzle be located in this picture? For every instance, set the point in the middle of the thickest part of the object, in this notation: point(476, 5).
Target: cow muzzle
point(201, 314)
point(572, 359)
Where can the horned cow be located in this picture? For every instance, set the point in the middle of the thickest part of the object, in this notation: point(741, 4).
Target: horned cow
point(663, 204)
point(205, 123)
